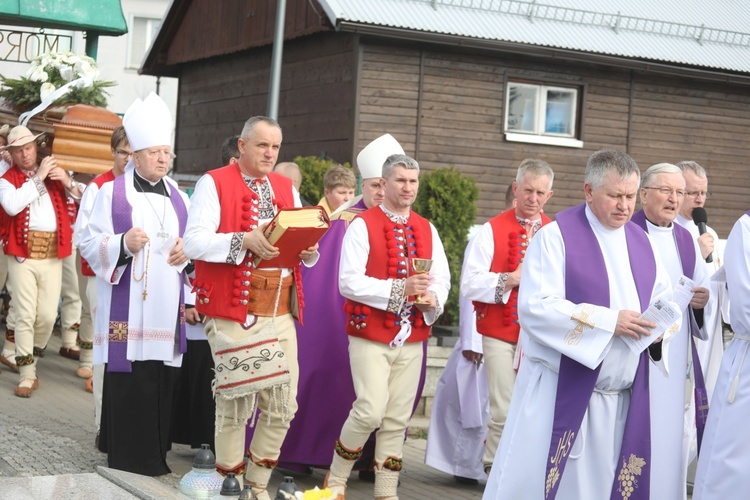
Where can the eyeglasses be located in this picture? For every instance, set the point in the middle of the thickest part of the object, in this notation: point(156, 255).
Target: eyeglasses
point(124, 153)
point(668, 191)
point(159, 153)
point(696, 194)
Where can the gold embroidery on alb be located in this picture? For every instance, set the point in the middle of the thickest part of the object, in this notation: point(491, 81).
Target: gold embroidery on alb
point(563, 449)
point(573, 337)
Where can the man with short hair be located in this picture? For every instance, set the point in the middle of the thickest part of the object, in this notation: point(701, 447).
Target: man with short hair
point(323, 336)
point(133, 242)
point(38, 237)
point(587, 277)
point(460, 409)
point(491, 280)
point(291, 170)
point(696, 195)
point(229, 150)
point(229, 211)
point(661, 194)
point(390, 309)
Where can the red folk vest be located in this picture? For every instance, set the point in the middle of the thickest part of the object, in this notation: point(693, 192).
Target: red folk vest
point(17, 241)
point(99, 180)
point(500, 321)
point(222, 290)
point(391, 247)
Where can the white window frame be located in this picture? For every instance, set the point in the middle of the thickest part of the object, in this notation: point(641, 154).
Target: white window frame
point(539, 136)
point(150, 20)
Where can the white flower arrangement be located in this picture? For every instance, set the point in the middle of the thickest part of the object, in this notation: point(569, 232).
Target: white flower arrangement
point(50, 71)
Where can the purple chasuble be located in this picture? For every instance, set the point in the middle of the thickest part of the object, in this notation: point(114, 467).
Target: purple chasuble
point(583, 259)
point(686, 250)
point(122, 222)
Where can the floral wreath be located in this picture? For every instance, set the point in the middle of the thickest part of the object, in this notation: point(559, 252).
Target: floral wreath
point(50, 71)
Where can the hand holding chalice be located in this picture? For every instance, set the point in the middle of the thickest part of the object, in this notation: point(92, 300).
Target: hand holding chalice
point(420, 266)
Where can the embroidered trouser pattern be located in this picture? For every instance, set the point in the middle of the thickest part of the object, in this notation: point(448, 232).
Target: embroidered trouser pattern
point(36, 285)
point(269, 435)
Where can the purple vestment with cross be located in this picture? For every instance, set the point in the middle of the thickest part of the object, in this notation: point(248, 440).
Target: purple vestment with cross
point(583, 260)
point(122, 222)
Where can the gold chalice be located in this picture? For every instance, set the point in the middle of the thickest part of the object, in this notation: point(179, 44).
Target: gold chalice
point(420, 266)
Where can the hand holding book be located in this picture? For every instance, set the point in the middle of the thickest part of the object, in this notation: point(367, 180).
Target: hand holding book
point(293, 234)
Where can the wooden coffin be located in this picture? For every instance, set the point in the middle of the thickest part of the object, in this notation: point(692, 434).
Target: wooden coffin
point(82, 139)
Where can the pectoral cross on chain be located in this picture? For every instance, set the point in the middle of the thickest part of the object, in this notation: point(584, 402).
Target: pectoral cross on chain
point(144, 294)
point(583, 321)
point(163, 235)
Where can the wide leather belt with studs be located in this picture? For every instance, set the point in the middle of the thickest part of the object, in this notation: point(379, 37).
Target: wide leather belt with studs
point(42, 245)
point(264, 286)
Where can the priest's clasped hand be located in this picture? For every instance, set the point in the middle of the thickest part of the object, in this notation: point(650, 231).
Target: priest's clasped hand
point(256, 242)
point(631, 324)
point(135, 239)
point(700, 297)
point(176, 256)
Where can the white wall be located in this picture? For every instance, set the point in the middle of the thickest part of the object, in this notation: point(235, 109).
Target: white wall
point(113, 57)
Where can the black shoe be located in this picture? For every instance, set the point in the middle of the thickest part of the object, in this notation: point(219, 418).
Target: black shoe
point(367, 475)
point(466, 480)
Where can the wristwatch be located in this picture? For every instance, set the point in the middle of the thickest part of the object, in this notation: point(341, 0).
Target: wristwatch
point(73, 184)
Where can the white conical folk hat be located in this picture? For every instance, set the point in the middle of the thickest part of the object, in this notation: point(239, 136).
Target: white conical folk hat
point(148, 123)
point(370, 160)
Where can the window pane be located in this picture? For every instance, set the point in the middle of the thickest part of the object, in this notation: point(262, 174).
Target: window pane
point(138, 35)
point(560, 109)
point(522, 102)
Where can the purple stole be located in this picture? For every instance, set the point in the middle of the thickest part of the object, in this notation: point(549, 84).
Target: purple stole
point(583, 259)
point(686, 249)
point(122, 221)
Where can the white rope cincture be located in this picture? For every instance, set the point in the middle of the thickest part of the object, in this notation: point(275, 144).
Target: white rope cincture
point(736, 381)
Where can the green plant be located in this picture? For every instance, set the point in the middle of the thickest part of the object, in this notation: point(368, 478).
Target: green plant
point(447, 198)
point(51, 71)
point(313, 170)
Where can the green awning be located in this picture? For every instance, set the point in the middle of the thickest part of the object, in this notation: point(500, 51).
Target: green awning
point(102, 16)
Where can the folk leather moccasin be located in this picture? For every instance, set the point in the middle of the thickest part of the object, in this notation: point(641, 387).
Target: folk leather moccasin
point(24, 390)
point(69, 352)
point(7, 363)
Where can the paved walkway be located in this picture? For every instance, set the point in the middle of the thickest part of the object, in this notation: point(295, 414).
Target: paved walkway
point(52, 434)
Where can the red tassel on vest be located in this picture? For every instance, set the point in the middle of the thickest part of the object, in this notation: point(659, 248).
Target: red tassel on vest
point(391, 247)
point(500, 321)
point(18, 228)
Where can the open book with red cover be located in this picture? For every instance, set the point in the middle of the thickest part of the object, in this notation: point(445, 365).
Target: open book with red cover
point(292, 231)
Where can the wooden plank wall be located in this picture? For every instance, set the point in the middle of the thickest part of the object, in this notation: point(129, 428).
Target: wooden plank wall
point(679, 119)
point(315, 101)
point(446, 108)
point(217, 27)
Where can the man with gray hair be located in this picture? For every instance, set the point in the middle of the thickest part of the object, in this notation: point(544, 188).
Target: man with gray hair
point(491, 280)
point(582, 391)
point(390, 308)
point(248, 307)
point(662, 193)
point(696, 195)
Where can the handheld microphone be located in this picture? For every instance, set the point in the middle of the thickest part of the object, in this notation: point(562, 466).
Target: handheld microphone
point(700, 217)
